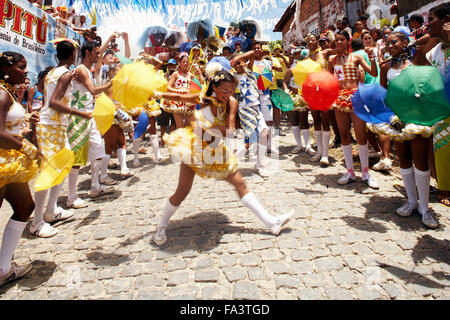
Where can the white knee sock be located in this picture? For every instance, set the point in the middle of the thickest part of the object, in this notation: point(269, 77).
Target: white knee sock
point(155, 144)
point(251, 201)
point(269, 138)
point(73, 180)
point(305, 135)
point(363, 151)
point(326, 135)
point(39, 203)
point(262, 149)
point(169, 210)
point(410, 185)
point(104, 166)
point(11, 236)
point(318, 136)
point(296, 132)
point(136, 146)
point(423, 188)
point(95, 174)
point(348, 157)
point(53, 198)
point(122, 156)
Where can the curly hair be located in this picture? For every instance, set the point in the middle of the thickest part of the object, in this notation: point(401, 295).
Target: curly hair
point(7, 59)
point(219, 77)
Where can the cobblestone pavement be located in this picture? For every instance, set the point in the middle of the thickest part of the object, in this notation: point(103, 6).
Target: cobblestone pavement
point(344, 242)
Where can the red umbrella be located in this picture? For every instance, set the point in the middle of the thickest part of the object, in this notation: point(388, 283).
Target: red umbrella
point(320, 90)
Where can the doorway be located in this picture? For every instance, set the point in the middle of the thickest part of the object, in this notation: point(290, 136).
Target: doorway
point(352, 7)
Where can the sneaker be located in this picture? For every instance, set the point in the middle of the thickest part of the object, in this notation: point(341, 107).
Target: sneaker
point(310, 151)
point(136, 163)
point(297, 149)
point(384, 164)
point(77, 204)
point(59, 215)
point(371, 182)
point(324, 161)
point(316, 157)
point(262, 172)
point(43, 230)
point(429, 220)
point(108, 181)
point(162, 159)
point(101, 191)
point(281, 221)
point(346, 178)
point(406, 210)
point(126, 173)
point(15, 273)
point(160, 236)
point(113, 165)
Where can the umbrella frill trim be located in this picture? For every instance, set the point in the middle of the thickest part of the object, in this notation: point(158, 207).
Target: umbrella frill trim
point(299, 103)
point(409, 132)
point(16, 167)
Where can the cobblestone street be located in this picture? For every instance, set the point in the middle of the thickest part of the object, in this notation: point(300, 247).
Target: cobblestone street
point(344, 242)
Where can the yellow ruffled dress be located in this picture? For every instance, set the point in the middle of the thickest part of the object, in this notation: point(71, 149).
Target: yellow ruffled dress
point(206, 159)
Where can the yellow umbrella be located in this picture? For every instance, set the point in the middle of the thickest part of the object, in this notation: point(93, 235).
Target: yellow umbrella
point(54, 170)
point(303, 69)
point(135, 83)
point(104, 113)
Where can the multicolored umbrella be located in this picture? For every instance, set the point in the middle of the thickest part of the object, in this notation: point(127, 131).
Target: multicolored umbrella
point(54, 170)
point(303, 69)
point(195, 86)
point(320, 90)
point(135, 83)
point(368, 103)
point(104, 113)
point(264, 77)
point(417, 96)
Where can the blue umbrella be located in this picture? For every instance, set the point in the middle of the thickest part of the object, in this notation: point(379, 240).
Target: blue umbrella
point(141, 127)
point(224, 62)
point(368, 103)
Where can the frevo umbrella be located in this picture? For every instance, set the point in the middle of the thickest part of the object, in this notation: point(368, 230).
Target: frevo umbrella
point(368, 103)
point(263, 75)
point(104, 113)
point(282, 100)
point(135, 83)
point(141, 126)
point(54, 170)
point(303, 69)
point(320, 90)
point(417, 96)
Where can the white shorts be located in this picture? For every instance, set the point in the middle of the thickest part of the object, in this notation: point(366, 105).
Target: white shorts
point(265, 105)
point(96, 143)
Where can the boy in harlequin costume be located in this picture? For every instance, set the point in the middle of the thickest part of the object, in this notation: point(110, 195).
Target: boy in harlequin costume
point(210, 160)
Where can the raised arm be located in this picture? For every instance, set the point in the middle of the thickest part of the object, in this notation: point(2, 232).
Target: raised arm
point(249, 55)
point(370, 69)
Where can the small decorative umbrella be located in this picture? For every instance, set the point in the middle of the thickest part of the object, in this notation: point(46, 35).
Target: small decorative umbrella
point(195, 86)
point(142, 125)
point(368, 103)
point(282, 100)
point(123, 60)
point(264, 77)
point(320, 90)
point(303, 69)
point(104, 113)
point(135, 83)
point(54, 170)
point(417, 96)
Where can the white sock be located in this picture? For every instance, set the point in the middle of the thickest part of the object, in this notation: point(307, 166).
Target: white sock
point(269, 138)
point(326, 135)
point(305, 135)
point(73, 180)
point(348, 157)
point(410, 185)
point(262, 149)
point(363, 151)
point(169, 210)
point(296, 132)
point(95, 174)
point(318, 136)
point(122, 156)
point(136, 145)
point(423, 188)
point(155, 144)
point(251, 201)
point(11, 236)
point(53, 198)
point(39, 203)
point(104, 166)
point(252, 151)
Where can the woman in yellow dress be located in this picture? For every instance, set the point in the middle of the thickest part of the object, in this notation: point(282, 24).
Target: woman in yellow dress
point(215, 119)
point(18, 163)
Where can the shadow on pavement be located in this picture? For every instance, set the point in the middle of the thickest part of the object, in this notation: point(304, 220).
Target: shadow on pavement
point(100, 258)
point(89, 219)
point(429, 247)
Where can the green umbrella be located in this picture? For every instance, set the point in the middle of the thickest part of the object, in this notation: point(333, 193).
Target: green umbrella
point(417, 96)
point(123, 60)
point(282, 100)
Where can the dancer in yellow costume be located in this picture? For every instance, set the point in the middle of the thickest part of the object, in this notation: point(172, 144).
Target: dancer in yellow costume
point(210, 160)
